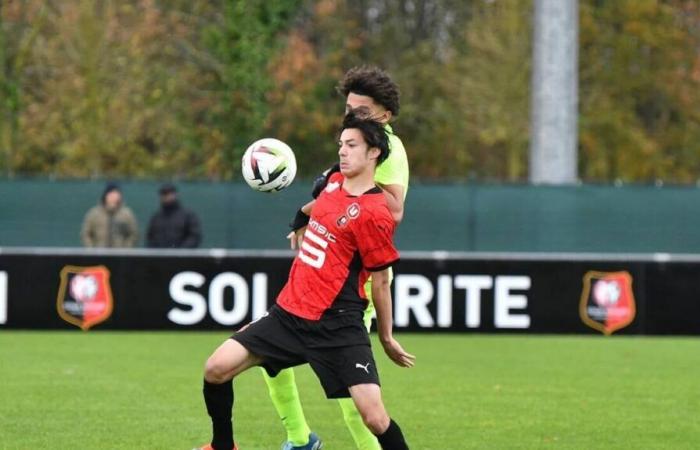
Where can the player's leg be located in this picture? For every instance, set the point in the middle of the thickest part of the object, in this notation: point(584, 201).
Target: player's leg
point(227, 361)
point(350, 371)
point(285, 397)
point(267, 342)
point(363, 437)
point(368, 399)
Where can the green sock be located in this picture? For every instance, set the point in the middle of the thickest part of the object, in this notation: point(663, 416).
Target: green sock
point(285, 397)
point(364, 439)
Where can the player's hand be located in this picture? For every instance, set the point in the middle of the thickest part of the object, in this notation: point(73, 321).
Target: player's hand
point(295, 238)
point(396, 353)
point(322, 180)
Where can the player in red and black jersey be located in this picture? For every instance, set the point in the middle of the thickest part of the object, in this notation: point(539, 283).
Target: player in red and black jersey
point(318, 315)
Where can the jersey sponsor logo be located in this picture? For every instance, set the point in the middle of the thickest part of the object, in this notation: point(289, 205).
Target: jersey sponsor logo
point(321, 230)
point(353, 211)
point(607, 301)
point(84, 296)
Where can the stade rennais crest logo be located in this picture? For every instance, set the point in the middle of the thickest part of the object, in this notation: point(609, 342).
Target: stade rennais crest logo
point(84, 295)
point(607, 301)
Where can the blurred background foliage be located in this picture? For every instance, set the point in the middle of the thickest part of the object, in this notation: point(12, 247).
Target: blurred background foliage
point(179, 88)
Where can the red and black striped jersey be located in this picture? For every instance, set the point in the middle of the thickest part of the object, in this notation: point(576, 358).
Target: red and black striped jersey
point(347, 238)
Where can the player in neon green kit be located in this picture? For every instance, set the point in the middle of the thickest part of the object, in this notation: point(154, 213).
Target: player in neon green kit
point(372, 90)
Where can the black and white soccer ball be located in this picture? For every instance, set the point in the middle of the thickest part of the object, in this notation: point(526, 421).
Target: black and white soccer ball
point(269, 165)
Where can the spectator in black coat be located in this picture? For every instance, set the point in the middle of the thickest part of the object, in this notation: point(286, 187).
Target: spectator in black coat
point(173, 226)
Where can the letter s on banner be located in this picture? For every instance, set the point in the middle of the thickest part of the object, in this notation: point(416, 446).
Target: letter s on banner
point(196, 302)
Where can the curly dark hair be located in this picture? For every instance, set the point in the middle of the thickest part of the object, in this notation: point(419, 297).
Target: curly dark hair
point(372, 82)
point(372, 131)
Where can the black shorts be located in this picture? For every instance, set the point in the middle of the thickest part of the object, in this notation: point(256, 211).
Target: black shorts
point(283, 340)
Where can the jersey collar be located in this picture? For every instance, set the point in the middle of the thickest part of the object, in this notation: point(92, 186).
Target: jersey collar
point(375, 190)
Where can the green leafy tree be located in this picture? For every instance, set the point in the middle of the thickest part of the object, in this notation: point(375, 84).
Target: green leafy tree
point(103, 103)
point(241, 42)
point(639, 90)
point(20, 25)
point(462, 68)
point(148, 88)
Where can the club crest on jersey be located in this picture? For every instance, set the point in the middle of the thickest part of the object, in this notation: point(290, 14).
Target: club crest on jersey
point(84, 296)
point(607, 301)
point(353, 211)
point(342, 221)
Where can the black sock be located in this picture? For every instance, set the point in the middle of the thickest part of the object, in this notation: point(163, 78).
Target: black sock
point(392, 438)
point(219, 400)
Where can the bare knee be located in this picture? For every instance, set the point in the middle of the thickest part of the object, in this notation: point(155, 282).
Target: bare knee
point(377, 421)
point(227, 361)
point(215, 371)
point(368, 399)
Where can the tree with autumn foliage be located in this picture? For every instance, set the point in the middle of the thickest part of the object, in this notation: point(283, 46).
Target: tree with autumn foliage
point(148, 88)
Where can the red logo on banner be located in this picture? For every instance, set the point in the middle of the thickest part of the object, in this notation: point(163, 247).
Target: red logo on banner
point(84, 295)
point(607, 301)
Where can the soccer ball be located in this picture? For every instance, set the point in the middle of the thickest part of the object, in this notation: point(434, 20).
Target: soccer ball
point(269, 165)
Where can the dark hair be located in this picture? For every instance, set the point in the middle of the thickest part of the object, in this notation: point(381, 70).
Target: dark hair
point(167, 188)
point(372, 82)
point(372, 131)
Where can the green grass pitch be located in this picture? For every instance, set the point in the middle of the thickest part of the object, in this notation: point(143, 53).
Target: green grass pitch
point(105, 390)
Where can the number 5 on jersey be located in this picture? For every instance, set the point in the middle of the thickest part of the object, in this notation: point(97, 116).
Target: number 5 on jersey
point(311, 255)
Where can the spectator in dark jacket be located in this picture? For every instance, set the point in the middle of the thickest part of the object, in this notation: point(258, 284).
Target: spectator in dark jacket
point(173, 226)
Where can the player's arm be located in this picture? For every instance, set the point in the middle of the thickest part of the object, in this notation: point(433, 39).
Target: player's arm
point(394, 194)
point(381, 295)
point(298, 225)
point(306, 209)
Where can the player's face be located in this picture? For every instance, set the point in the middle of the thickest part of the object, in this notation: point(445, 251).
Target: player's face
point(377, 111)
point(355, 156)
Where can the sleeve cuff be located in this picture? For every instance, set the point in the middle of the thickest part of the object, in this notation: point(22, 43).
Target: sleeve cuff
point(300, 220)
point(383, 266)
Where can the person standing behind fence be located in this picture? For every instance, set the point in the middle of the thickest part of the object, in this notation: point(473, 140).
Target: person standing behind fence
point(110, 223)
point(173, 226)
